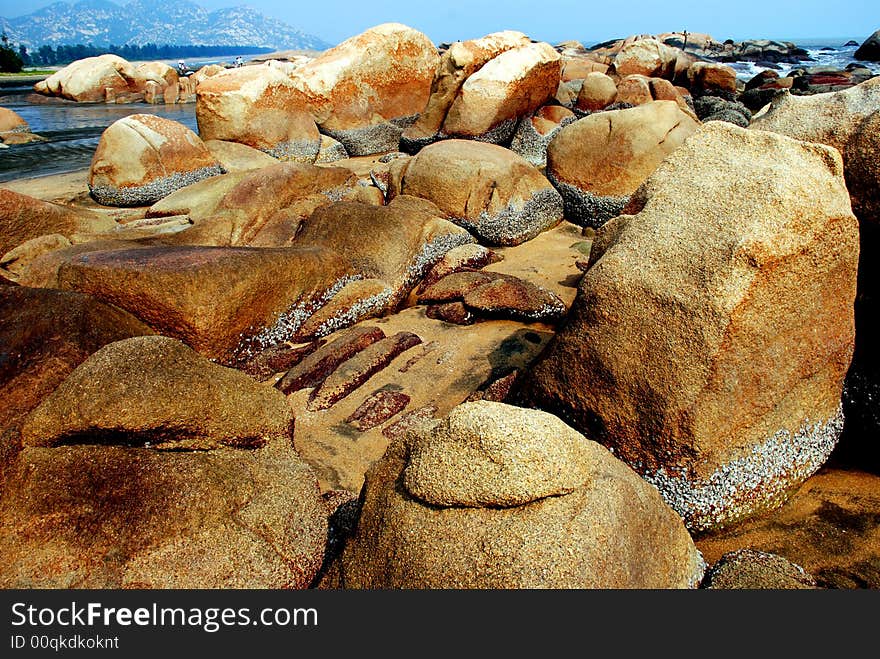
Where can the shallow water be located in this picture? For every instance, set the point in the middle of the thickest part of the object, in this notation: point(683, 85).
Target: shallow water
point(72, 130)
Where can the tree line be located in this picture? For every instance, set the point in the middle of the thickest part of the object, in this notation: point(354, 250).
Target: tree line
point(46, 55)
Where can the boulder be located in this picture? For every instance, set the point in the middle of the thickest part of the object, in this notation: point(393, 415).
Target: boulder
point(495, 496)
point(510, 86)
point(634, 90)
point(597, 93)
point(861, 158)
point(44, 335)
point(710, 78)
point(23, 218)
point(711, 334)
point(143, 158)
point(598, 161)
point(225, 302)
point(11, 122)
point(366, 90)
point(534, 133)
point(155, 391)
point(18, 259)
point(713, 108)
point(647, 57)
point(748, 569)
point(91, 80)
point(257, 106)
point(869, 51)
point(98, 516)
point(489, 190)
point(236, 157)
point(461, 60)
point(396, 244)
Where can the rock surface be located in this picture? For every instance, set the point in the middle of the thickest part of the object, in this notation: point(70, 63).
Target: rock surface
point(516, 513)
point(715, 366)
point(598, 161)
point(748, 569)
point(485, 188)
point(142, 158)
point(156, 391)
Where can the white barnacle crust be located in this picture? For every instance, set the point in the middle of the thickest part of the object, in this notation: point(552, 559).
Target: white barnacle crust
point(756, 481)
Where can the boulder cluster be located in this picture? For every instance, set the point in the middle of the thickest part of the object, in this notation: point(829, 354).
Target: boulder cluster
point(555, 313)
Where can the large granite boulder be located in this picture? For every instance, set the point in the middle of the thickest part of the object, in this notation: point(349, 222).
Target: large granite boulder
point(257, 106)
point(647, 57)
point(99, 516)
point(366, 90)
point(597, 92)
point(712, 333)
point(11, 122)
point(44, 335)
point(511, 85)
point(495, 496)
point(489, 190)
point(224, 302)
point(90, 80)
point(597, 162)
point(142, 158)
point(23, 218)
point(457, 64)
point(154, 390)
point(869, 50)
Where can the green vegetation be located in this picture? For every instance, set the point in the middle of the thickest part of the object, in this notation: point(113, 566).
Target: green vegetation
point(10, 61)
point(65, 54)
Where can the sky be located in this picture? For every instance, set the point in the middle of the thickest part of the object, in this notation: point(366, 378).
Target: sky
point(558, 20)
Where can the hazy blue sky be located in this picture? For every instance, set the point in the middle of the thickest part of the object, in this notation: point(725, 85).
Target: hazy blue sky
point(555, 20)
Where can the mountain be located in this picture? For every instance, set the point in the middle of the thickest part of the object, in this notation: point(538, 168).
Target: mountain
point(176, 22)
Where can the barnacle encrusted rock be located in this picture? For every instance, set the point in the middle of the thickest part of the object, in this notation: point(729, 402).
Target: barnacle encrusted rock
point(485, 188)
point(712, 333)
point(496, 496)
point(143, 158)
point(598, 161)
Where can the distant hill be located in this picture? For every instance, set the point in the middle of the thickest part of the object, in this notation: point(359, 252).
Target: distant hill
point(177, 22)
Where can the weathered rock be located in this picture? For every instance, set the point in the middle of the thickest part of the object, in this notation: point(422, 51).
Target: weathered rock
point(44, 335)
point(533, 504)
point(263, 207)
point(278, 359)
point(377, 409)
point(598, 161)
point(465, 257)
point(756, 570)
point(487, 189)
point(23, 218)
point(315, 368)
point(711, 77)
point(461, 60)
point(713, 108)
point(115, 517)
point(534, 133)
point(491, 294)
point(647, 57)
point(153, 390)
point(330, 150)
point(869, 51)
point(18, 259)
point(226, 303)
point(395, 244)
point(143, 158)
point(861, 158)
point(634, 90)
point(366, 90)
point(91, 80)
point(235, 157)
point(257, 106)
point(11, 122)
point(352, 373)
point(715, 366)
point(510, 86)
point(597, 93)
point(451, 312)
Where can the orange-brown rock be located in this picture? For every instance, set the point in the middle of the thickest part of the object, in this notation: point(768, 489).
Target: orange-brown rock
point(11, 122)
point(712, 333)
point(485, 188)
point(647, 57)
point(23, 218)
point(598, 161)
point(496, 496)
point(710, 77)
point(226, 303)
point(634, 90)
point(91, 80)
point(257, 106)
point(534, 133)
point(143, 158)
point(460, 61)
point(512, 85)
point(597, 93)
point(578, 68)
point(98, 516)
point(364, 91)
